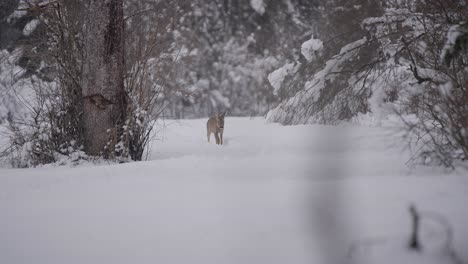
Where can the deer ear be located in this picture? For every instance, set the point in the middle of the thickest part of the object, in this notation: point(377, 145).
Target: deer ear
point(224, 114)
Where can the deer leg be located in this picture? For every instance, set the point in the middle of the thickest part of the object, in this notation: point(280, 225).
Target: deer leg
point(217, 138)
point(208, 134)
point(221, 137)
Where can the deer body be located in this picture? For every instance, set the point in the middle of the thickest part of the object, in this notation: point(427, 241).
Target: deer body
point(215, 125)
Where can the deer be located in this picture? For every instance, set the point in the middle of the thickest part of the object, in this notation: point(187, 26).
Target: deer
point(215, 125)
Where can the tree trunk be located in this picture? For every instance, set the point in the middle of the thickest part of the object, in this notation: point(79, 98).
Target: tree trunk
point(104, 98)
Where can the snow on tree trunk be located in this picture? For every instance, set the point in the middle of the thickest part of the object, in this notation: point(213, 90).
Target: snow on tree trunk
point(103, 76)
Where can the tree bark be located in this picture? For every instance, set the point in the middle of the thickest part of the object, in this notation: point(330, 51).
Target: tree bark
point(104, 98)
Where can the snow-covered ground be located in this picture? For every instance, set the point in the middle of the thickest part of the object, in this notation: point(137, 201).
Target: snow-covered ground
point(271, 194)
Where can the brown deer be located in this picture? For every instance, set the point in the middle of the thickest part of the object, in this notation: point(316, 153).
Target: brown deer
point(215, 125)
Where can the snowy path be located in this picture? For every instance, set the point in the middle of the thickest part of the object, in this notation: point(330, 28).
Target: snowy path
point(271, 194)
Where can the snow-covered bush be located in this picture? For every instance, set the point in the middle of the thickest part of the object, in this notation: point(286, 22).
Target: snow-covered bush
point(437, 96)
point(333, 77)
point(46, 133)
point(317, 102)
point(406, 58)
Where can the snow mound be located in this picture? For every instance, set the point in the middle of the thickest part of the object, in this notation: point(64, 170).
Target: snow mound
point(277, 77)
point(310, 48)
point(30, 27)
point(258, 6)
